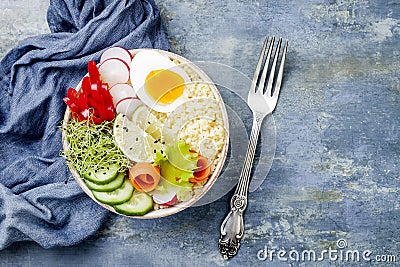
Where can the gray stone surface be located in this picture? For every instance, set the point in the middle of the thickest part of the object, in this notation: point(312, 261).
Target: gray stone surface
point(336, 169)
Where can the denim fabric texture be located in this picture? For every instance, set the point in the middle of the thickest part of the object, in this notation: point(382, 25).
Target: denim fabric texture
point(35, 202)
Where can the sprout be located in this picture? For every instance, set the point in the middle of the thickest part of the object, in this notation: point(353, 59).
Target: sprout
point(91, 147)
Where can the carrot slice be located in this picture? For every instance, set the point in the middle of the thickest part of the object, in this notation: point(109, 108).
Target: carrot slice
point(193, 181)
point(144, 176)
point(203, 170)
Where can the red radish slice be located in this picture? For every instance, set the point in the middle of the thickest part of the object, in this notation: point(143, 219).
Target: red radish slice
point(117, 52)
point(127, 106)
point(167, 198)
point(120, 91)
point(113, 71)
point(168, 195)
point(125, 102)
point(171, 202)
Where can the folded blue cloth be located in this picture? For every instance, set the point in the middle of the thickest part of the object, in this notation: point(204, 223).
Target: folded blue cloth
point(35, 202)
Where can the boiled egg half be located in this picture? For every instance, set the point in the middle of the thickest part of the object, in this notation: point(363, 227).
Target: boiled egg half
point(158, 82)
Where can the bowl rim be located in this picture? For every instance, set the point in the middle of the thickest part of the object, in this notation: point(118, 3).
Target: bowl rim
point(163, 212)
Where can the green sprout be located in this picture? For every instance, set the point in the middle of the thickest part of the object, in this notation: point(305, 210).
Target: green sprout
point(91, 147)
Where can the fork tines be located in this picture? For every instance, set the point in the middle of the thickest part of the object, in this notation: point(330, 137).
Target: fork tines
point(269, 67)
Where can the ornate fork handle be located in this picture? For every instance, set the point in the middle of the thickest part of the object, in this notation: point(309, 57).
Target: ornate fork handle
point(232, 228)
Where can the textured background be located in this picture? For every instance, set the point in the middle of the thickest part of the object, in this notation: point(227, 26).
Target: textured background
point(336, 169)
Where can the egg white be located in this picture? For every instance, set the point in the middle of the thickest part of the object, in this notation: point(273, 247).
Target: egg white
point(142, 64)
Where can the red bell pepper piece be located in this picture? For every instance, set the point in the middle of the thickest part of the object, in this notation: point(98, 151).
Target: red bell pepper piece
point(82, 101)
point(86, 85)
point(108, 102)
point(71, 93)
point(92, 102)
point(94, 73)
point(84, 114)
point(94, 117)
point(99, 107)
point(71, 104)
point(96, 100)
point(110, 113)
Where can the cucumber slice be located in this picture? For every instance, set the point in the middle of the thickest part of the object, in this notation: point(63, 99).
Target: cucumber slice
point(118, 196)
point(111, 186)
point(139, 204)
point(102, 176)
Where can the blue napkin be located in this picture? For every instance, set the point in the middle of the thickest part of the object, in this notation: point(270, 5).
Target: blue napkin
point(35, 202)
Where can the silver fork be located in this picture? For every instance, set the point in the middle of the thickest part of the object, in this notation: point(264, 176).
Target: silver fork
point(261, 104)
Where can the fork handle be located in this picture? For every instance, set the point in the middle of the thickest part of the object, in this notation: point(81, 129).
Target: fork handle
point(232, 228)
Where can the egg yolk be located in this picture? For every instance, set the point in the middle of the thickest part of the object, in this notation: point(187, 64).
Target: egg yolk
point(164, 86)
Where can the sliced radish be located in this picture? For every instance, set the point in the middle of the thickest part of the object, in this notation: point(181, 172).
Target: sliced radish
point(113, 71)
point(120, 91)
point(128, 105)
point(117, 52)
point(167, 198)
point(171, 202)
point(168, 195)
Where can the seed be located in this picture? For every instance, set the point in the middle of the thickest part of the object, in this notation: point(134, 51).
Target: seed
point(137, 139)
point(162, 152)
point(155, 141)
point(155, 151)
point(116, 126)
point(148, 122)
